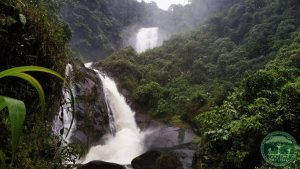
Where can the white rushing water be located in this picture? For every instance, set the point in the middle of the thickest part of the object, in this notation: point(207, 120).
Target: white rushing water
point(64, 118)
point(89, 64)
point(165, 4)
point(146, 38)
point(128, 141)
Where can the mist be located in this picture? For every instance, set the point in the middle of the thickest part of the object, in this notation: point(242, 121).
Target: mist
point(102, 27)
point(177, 18)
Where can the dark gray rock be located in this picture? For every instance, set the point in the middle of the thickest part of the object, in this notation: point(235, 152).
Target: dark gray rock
point(177, 157)
point(168, 136)
point(101, 165)
point(172, 140)
point(162, 135)
point(156, 159)
point(185, 156)
point(91, 114)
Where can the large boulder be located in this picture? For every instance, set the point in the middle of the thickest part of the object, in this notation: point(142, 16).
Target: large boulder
point(92, 120)
point(156, 159)
point(176, 157)
point(101, 165)
point(162, 135)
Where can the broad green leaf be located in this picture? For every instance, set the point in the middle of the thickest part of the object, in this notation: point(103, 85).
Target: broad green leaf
point(17, 112)
point(16, 108)
point(2, 105)
point(19, 72)
point(36, 85)
point(22, 69)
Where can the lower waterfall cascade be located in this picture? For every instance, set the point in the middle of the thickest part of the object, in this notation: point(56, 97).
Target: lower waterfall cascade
point(122, 140)
point(127, 142)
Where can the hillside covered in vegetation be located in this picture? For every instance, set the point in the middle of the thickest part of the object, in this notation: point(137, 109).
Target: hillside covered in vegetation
point(230, 72)
point(233, 79)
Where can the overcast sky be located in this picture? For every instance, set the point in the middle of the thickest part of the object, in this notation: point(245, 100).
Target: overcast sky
point(165, 4)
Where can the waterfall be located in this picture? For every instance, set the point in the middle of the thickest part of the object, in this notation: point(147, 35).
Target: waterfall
point(89, 64)
point(128, 141)
point(63, 120)
point(146, 38)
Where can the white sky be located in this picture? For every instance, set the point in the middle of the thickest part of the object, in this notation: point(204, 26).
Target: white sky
point(165, 4)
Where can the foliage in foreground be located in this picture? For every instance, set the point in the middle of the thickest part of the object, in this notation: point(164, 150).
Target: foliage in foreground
point(29, 35)
point(16, 108)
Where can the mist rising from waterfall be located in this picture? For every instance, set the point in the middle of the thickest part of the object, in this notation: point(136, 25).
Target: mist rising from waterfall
point(128, 141)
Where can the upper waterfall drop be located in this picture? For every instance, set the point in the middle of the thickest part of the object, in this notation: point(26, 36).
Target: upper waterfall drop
point(147, 38)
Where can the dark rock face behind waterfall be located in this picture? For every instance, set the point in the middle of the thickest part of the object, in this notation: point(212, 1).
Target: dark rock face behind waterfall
point(92, 120)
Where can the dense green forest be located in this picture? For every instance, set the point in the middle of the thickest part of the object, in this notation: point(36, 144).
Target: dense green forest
point(232, 75)
point(234, 79)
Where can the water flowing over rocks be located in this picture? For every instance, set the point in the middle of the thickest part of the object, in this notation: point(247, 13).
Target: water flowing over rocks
point(127, 141)
point(100, 107)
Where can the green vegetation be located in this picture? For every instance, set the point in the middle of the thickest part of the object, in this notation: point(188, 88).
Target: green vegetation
point(29, 36)
point(233, 79)
point(17, 111)
point(97, 25)
point(101, 27)
point(16, 108)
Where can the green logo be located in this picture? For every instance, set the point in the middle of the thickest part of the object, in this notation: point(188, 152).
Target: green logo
point(278, 148)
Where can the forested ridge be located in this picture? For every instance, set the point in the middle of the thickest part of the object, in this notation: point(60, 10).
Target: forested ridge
point(234, 79)
point(231, 74)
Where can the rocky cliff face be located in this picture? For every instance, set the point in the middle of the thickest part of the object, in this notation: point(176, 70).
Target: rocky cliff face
point(91, 114)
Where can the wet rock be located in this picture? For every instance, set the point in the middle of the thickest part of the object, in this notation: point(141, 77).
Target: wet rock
point(196, 161)
point(101, 165)
point(156, 159)
point(177, 157)
point(168, 136)
point(91, 115)
point(185, 156)
point(162, 135)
